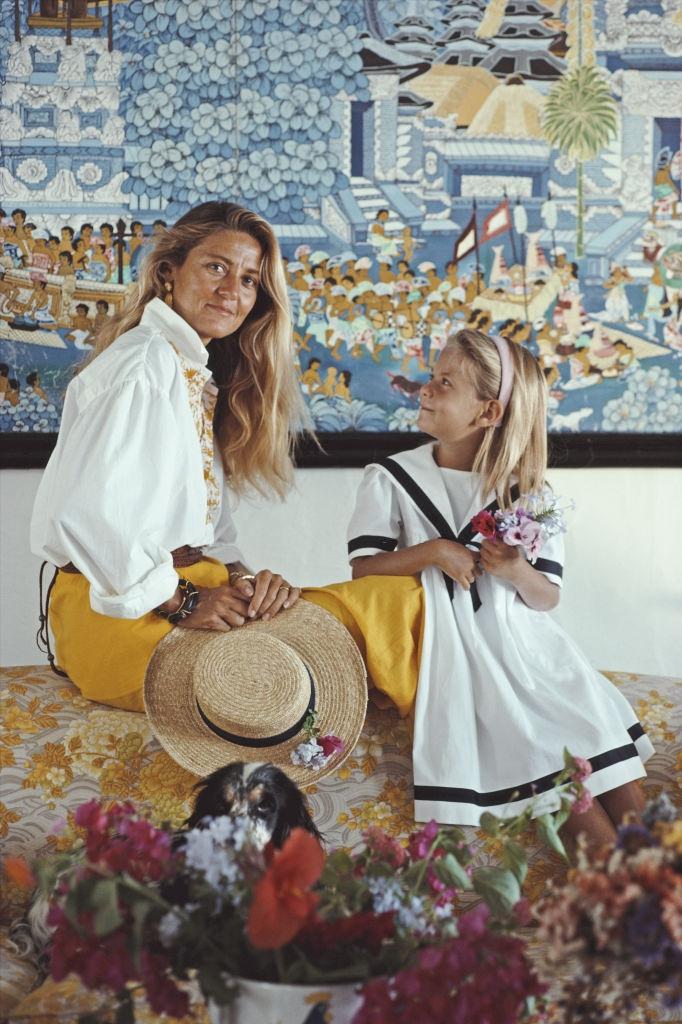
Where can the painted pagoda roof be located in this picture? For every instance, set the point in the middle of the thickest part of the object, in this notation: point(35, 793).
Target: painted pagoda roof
point(512, 111)
point(378, 57)
point(455, 90)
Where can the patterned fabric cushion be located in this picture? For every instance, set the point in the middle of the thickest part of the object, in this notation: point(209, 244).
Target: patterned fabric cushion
point(58, 750)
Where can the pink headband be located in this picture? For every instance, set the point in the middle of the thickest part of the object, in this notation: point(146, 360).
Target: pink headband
point(502, 346)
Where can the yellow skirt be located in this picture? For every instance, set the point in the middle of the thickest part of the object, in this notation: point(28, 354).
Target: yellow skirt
point(107, 658)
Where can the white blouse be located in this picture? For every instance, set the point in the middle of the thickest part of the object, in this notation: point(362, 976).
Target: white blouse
point(135, 473)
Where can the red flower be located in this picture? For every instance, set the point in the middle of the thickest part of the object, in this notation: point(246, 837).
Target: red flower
point(365, 929)
point(282, 901)
point(331, 745)
point(484, 523)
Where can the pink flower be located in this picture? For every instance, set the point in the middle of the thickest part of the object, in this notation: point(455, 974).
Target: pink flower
point(421, 842)
point(583, 803)
point(484, 523)
point(331, 745)
point(385, 846)
point(528, 534)
point(582, 769)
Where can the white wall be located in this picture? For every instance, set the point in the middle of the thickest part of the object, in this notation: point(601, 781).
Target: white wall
point(622, 599)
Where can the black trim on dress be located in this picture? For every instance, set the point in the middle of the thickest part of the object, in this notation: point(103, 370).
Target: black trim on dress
point(453, 794)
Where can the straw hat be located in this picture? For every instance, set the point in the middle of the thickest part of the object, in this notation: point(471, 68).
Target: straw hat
point(212, 698)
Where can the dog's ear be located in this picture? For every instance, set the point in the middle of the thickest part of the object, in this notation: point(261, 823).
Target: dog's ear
point(212, 799)
point(295, 812)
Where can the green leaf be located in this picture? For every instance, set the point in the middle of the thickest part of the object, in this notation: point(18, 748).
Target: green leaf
point(104, 901)
point(548, 831)
point(514, 858)
point(489, 824)
point(125, 1011)
point(140, 912)
point(498, 887)
point(453, 870)
point(217, 985)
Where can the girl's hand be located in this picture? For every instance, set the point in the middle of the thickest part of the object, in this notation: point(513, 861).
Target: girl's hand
point(221, 608)
point(458, 562)
point(271, 593)
point(501, 560)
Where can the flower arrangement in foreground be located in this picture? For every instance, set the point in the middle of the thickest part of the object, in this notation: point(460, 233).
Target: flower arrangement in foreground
point(619, 916)
point(536, 518)
point(144, 906)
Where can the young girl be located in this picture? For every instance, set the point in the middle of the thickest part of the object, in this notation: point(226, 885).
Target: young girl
point(502, 689)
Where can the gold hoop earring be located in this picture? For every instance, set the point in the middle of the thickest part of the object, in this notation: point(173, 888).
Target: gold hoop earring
point(168, 297)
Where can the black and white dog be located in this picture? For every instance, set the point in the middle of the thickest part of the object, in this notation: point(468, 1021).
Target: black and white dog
point(262, 794)
point(271, 804)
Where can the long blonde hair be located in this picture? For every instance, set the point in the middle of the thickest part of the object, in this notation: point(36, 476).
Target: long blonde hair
point(518, 447)
point(260, 407)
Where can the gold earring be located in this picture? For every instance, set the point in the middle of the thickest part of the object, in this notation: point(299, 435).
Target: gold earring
point(168, 297)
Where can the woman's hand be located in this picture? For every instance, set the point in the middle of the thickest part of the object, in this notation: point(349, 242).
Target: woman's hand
point(270, 594)
point(502, 560)
point(457, 561)
point(220, 608)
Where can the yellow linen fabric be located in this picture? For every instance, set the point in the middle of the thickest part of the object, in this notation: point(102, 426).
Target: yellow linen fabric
point(107, 658)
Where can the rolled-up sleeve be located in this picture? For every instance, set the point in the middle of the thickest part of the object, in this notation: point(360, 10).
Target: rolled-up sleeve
point(550, 561)
point(375, 525)
point(107, 497)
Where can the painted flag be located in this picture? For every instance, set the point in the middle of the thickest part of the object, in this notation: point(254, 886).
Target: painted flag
point(466, 242)
point(497, 222)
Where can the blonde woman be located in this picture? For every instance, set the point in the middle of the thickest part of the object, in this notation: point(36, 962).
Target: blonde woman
point(502, 690)
point(189, 389)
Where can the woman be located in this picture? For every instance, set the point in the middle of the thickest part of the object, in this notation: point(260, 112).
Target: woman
point(133, 504)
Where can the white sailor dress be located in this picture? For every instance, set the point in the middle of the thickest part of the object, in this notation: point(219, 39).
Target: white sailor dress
point(502, 688)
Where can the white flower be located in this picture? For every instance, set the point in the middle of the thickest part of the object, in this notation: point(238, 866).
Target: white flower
point(89, 174)
point(169, 926)
point(32, 170)
point(386, 895)
point(211, 851)
point(309, 754)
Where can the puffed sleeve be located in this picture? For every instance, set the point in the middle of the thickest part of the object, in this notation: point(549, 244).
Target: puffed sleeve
point(106, 495)
point(375, 525)
point(224, 546)
point(550, 561)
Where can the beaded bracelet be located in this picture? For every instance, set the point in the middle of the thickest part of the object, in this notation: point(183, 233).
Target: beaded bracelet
point(190, 599)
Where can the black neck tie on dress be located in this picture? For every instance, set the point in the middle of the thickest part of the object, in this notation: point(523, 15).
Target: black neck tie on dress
point(438, 521)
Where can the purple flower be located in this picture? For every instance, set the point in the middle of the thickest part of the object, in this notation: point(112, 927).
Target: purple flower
point(645, 932)
point(632, 838)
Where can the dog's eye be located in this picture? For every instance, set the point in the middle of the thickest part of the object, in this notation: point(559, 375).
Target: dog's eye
point(265, 805)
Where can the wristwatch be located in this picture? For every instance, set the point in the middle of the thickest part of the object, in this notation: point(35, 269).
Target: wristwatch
point(190, 599)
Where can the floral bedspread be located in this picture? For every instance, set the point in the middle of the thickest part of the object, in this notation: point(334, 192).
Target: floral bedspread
point(58, 750)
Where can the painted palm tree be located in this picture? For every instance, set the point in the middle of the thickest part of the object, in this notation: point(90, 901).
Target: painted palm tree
point(580, 118)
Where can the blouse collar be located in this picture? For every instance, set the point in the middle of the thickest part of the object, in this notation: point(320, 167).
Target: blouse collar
point(185, 339)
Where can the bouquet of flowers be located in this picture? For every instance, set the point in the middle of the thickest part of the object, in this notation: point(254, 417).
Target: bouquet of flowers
point(536, 518)
point(620, 916)
point(150, 907)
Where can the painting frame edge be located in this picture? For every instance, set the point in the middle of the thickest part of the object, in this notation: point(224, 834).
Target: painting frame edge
point(355, 449)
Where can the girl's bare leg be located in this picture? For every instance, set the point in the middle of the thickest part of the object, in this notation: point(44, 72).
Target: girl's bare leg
point(623, 800)
point(595, 823)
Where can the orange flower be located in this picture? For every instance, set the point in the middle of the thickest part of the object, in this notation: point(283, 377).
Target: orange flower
point(18, 871)
point(282, 901)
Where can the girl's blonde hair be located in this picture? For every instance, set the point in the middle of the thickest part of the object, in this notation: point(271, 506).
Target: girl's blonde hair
point(518, 447)
point(260, 406)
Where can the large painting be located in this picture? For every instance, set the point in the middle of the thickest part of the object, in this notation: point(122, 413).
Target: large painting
point(427, 164)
